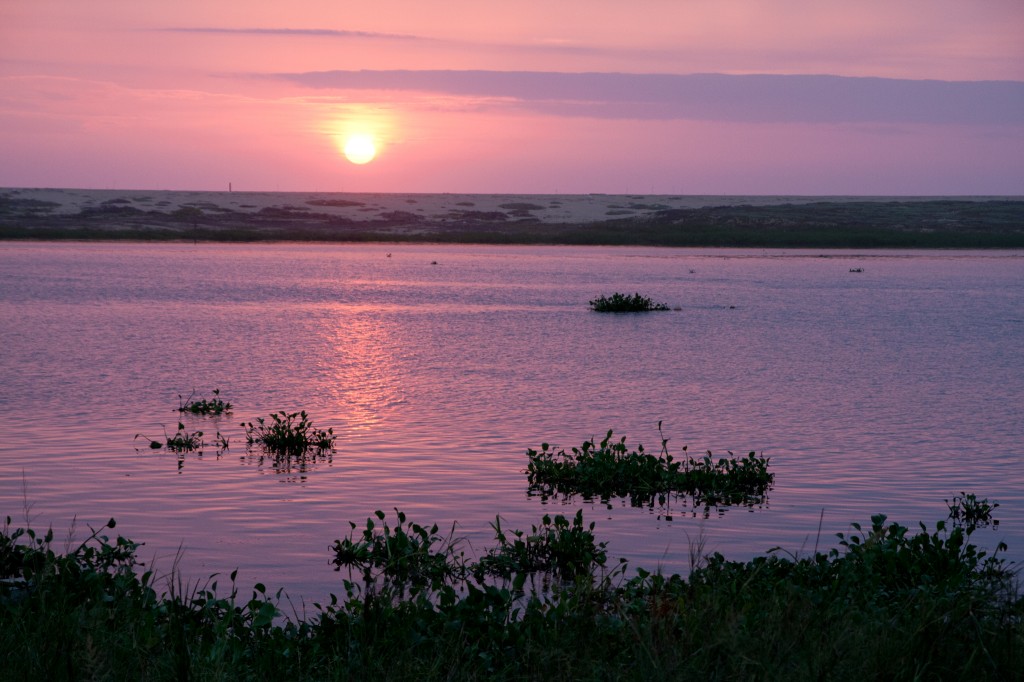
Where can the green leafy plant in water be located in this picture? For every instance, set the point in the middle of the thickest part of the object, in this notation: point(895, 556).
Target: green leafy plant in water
point(406, 554)
point(559, 547)
point(28, 555)
point(181, 441)
point(624, 303)
point(884, 565)
point(942, 561)
point(214, 406)
point(221, 441)
point(609, 469)
point(94, 592)
point(288, 435)
point(968, 511)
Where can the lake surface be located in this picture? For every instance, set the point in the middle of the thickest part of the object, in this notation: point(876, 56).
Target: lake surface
point(887, 390)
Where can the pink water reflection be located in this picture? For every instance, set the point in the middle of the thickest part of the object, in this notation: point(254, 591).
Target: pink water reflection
point(884, 391)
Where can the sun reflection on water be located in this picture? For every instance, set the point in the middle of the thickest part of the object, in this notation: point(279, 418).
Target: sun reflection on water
point(364, 380)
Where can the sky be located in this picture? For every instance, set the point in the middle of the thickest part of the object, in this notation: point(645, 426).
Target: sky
point(739, 97)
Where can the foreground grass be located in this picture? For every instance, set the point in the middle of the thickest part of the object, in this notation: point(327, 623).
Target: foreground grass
point(887, 603)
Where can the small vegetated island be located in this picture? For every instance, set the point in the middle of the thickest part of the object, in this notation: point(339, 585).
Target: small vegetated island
point(610, 469)
point(288, 435)
point(203, 406)
point(289, 441)
point(624, 303)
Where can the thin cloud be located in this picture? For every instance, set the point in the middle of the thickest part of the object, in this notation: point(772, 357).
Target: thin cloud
point(544, 48)
point(747, 98)
point(725, 59)
point(321, 32)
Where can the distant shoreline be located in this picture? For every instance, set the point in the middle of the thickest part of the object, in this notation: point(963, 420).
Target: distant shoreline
point(594, 219)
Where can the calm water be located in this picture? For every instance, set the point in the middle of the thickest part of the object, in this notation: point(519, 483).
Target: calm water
point(888, 390)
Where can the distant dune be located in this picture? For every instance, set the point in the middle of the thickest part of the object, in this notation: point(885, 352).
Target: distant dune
point(790, 221)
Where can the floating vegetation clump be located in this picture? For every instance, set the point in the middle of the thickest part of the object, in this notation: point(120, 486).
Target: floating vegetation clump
point(286, 434)
point(214, 406)
point(624, 303)
point(180, 441)
point(609, 469)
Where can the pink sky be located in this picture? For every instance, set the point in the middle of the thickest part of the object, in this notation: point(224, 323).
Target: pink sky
point(575, 96)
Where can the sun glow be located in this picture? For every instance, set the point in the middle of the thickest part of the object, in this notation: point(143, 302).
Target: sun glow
point(360, 149)
point(359, 134)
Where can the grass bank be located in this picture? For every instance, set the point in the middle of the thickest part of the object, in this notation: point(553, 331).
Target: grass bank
point(888, 602)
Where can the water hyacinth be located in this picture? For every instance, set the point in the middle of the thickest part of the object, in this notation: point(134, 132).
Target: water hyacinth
point(181, 441)
point(609, 469)
point(288, 434)
point(624, 303)
point(214, 406)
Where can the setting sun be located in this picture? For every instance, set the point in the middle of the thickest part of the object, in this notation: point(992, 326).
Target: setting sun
point(359, 149)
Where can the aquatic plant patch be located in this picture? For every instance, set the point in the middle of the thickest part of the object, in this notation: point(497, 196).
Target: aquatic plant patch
point(288, 434)
point(968, 511)
point(884, 565)
point(559, 547)
point(610, 469)
point(404, 554)
point(409, 559)
point(180, 441)
point(214, 406)
point(624, 303)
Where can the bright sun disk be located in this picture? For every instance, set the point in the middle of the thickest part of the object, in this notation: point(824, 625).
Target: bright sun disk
point(359, 149)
